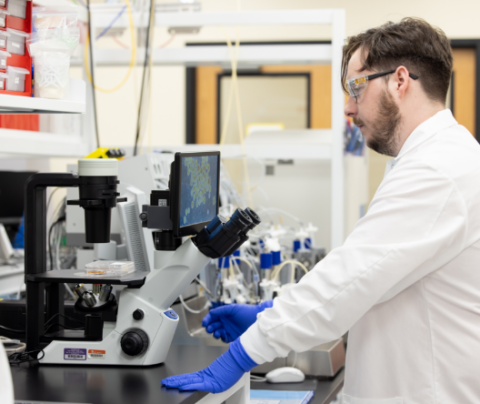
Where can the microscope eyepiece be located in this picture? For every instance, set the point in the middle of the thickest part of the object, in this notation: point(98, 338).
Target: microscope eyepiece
point(240, 222)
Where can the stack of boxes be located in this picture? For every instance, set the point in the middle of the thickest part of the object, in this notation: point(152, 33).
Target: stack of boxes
point(15, 60)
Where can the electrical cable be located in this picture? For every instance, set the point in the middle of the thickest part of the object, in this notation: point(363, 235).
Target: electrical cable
point(63, 326)
point(64, 316)
point(88, 45)
point(207, 305)
point(146, 73)
point(11, 330)
point(22, 357)
point(50, 197)
point(50, 237)
point(91, 77)
point(111, 23)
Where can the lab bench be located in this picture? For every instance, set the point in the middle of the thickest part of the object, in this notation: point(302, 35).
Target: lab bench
point(139, 385)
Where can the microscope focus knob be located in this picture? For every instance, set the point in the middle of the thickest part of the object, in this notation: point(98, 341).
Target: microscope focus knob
point(138, 314)
point(134, 342)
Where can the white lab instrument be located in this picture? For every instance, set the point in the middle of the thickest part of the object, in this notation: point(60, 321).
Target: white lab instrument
point(145, 322)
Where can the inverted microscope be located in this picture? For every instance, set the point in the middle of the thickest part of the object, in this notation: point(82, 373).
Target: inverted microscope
point(138, 327)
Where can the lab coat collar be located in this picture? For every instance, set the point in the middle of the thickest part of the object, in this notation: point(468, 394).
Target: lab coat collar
point(441, 120)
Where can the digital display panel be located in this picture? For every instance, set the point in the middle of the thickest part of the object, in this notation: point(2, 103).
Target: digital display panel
point(198, 189)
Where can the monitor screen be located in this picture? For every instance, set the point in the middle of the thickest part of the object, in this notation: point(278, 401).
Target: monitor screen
point(198, 189)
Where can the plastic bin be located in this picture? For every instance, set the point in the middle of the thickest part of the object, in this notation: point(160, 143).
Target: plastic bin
point(3, 18)
point(17, 8)
point(16, 78)
point(3, 39)
point(16, 41)
point(51, 73)
point(3, 59)
point(3, 78)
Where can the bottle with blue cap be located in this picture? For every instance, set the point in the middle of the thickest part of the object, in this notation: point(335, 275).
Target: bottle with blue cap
point(266, 260)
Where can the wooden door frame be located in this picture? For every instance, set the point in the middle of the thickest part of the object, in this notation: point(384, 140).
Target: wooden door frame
point(257, 73)
point(190, 84)
point(473, 44)
point(190, 110)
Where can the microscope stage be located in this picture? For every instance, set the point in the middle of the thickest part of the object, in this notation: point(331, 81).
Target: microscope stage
point(75, 276)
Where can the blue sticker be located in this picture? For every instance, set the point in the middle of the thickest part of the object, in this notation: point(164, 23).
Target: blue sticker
point(75, 354)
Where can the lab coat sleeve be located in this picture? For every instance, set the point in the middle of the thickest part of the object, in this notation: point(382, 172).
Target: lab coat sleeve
point(416, 223)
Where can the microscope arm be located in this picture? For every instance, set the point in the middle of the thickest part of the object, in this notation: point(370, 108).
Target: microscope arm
point(175, 270)
point(170, 277)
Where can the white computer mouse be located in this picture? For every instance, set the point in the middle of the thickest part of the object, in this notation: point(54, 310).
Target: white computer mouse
point(285, 375)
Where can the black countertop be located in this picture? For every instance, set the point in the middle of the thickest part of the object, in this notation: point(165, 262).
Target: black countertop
point(138, 385)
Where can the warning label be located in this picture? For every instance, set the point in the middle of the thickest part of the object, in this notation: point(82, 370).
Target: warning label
point(96, 354)
point(75, 354)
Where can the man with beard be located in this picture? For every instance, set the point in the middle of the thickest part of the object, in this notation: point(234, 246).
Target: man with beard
point(406, 282)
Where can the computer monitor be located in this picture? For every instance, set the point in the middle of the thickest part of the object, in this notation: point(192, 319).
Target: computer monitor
point(194, 188)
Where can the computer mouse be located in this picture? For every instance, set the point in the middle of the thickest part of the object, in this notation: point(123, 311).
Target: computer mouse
point(285, 375)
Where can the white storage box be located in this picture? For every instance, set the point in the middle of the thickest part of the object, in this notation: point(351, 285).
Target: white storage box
point(3, 78)
point(3, 18)
point(17, 8)
point(16, 41)
point(16, 78)
point(3, 39)
point(3, 59)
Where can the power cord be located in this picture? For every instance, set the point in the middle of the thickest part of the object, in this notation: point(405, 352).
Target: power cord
point(24, 357)
point(11, 330)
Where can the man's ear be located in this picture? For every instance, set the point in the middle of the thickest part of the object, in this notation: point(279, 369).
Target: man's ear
point(401, 81)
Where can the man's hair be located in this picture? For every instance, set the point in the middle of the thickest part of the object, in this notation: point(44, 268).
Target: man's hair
point(424, 50)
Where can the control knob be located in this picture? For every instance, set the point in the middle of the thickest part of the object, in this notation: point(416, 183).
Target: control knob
point(134, 342)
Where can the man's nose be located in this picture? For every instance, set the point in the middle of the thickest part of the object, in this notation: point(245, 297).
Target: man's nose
point(350, 107)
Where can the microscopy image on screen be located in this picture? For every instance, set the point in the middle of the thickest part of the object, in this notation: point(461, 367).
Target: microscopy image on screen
point(198, 192)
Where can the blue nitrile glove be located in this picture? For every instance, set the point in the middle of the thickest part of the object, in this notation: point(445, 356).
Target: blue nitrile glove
point(230, 321)
point(222, 374)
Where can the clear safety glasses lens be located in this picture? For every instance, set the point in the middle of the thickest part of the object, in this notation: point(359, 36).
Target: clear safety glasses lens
point(356, 86)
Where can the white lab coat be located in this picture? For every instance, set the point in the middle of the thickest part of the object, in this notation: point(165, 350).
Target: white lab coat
point(406, 283)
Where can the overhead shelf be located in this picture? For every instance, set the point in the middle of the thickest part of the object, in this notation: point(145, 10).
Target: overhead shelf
point(75, 104)
point(28, 143)
point(255, 55)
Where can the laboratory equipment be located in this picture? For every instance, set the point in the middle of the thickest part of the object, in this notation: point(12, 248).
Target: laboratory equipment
point(145, 323)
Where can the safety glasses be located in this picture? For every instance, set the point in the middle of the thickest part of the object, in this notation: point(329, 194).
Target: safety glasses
point(357, 85)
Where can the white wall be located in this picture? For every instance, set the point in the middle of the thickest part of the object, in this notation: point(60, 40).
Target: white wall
point(117, 111)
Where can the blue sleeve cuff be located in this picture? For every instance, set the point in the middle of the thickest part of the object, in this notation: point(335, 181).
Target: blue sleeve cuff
point(265, 305)
point(241, 357)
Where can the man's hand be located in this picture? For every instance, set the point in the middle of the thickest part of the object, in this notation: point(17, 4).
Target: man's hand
point(222, 374)
point(230, 321)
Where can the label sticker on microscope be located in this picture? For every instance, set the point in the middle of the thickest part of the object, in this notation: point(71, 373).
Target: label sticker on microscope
point(75, 354)
point(96, 354)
